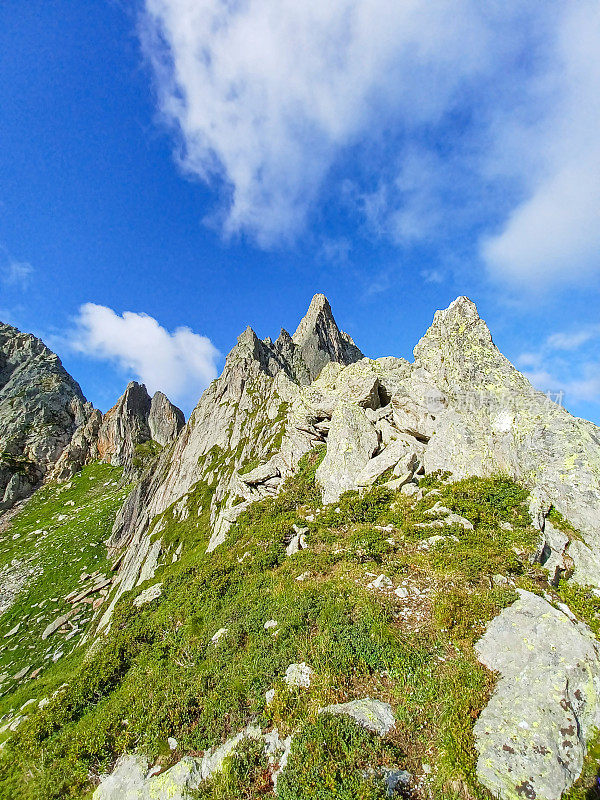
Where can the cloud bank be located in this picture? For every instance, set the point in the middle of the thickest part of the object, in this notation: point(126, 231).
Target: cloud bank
point(181, 364)
point(443, 114)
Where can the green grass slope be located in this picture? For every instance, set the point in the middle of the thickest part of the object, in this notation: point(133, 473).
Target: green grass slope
point(57, 537)
point(408, 640)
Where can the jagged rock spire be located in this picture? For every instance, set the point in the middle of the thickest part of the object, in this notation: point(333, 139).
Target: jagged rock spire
point(319, 339)
point(134, 419)
point(458, 349)
point(316, 342)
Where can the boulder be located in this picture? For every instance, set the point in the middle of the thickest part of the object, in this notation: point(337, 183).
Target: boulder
point(396, 451)
point(131, 780)
point(351, 443)
point(374, 715)
point(533, 734)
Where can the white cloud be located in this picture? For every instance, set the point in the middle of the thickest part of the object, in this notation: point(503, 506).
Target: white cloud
point(574, 339)
point(553, 235)
point(448, 114)
point(576, 375)
point(181, 364)
point(267, 94)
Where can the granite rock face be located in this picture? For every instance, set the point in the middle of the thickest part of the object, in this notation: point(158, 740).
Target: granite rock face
point(489, 419)
point(254, 412)
point(319, 340)
point(164, 420)
point(533, 734)
point(40, 408)
point(113, 437)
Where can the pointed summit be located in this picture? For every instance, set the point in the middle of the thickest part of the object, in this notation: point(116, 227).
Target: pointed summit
point(458, 349)
point(320, 340)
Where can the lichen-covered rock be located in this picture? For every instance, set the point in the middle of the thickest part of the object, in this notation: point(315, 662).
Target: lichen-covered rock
point(374, 715)
point(533, 734)
point(351, 443)
point(40, 408)
point(460, 407)
point(213, 759)
point(148, 595)
point(298, 675)
point(131, 780)
point(492, 420)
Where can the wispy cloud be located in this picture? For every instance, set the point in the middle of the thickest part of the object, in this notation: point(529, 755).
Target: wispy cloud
point(567, 361)
point(267, 95)
point(16, 274)
point(553, 234)
point(432, 276)
point(179, 363)
point(444, 117)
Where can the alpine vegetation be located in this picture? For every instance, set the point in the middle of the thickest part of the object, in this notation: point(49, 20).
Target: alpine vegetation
point(341, 578)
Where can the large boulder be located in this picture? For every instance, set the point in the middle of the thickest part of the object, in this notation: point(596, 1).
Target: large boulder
point(533, 734)
point(351, 443)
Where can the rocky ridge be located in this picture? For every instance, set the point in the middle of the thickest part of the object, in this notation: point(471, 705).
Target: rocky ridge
point(48, 429)
point(459, 408)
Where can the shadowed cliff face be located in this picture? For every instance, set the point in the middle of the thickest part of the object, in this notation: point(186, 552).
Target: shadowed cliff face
point(40, 408)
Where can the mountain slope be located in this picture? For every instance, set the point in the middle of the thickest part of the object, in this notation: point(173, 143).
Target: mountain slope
point(321, 587)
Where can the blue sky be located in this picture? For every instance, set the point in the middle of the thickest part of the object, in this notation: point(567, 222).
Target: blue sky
point(171, 171)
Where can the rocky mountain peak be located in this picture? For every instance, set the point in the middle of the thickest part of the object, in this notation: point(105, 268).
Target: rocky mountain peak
point(316, 342)
point(40, 407)
point(164, 420)
point(320, 341)
point(134, 419)
point(476, 490)
point(459, 351)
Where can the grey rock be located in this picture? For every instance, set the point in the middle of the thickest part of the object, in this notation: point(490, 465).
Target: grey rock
point(319, 340)
point(21, 673)
point(395, 779)
point(351, 443)
point(125, 425)
point(56, 624)
point(82, 449)
point(130, 780)
point(533, 734)
point(297, 543)
point(148, 595)
point(164, 420)
point(298, 675)
point(40, 408)
point(494, 421)
point(213, 759)
point(374, 715)
point(391, 455)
